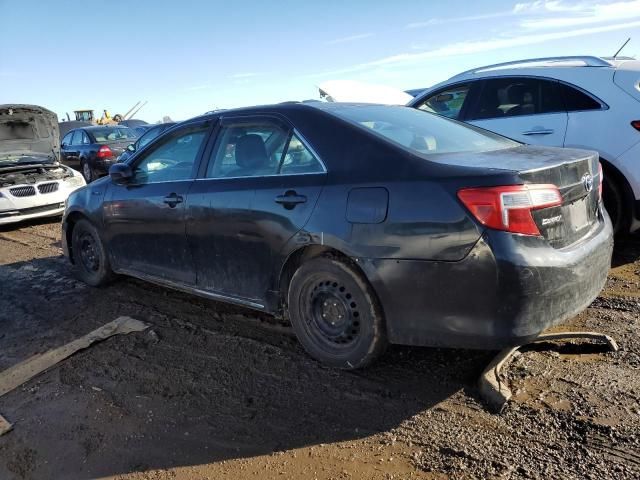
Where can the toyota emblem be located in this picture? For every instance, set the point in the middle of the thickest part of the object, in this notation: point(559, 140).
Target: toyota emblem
point(587, 182)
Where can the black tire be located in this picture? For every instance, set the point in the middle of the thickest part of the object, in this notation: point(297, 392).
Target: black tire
point(616, 206)
point(90, 259)
point(335, 314)
point(86, 171)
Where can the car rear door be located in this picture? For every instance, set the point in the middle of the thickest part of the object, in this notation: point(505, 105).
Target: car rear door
point(145, 218)
point(529, 110)
point(257, 191)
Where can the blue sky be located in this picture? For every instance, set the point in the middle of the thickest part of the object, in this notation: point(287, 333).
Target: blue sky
point(186, 57)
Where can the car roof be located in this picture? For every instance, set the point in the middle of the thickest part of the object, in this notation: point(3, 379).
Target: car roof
point(547, 64)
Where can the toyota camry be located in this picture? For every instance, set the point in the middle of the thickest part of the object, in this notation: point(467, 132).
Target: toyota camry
point(364, 225)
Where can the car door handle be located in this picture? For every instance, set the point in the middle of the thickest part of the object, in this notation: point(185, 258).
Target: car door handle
point(290, 199)
point(173, 199)
point(540, 131)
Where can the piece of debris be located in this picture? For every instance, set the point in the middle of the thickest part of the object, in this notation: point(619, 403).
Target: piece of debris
point(5, 426)
point(15, 376)
point(497, 393)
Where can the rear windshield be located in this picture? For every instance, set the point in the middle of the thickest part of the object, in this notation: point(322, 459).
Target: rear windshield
point(113, 134)
point(421, 132)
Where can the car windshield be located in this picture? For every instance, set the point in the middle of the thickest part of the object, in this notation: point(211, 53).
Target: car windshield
point(113, 134)
point(421, 132)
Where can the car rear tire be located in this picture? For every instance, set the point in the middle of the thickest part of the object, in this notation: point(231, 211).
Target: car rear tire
point(87, 173)
point(335, 314)
point(90, 259)
point(616, 206)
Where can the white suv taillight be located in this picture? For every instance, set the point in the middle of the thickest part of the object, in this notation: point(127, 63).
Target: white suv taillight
point(509, 207)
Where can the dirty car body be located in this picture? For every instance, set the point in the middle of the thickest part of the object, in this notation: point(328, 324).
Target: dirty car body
point(458, 237)
point(32, 182)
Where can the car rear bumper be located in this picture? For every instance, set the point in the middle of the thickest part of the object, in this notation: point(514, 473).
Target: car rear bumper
point(506, 291)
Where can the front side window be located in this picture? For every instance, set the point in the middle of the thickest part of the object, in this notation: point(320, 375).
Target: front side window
point(419, 131)
point(67, 139)
point(148, 136)
point(447, 102)
point(512, 97)
point(172, 160)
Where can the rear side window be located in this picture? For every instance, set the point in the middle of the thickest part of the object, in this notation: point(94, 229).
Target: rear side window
point(447, 103)
point(248, 150)
point(575, 100)
point(512, 97)
point(299, 159)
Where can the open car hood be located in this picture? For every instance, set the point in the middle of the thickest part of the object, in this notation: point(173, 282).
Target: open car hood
point(28, 130)
point(359, 92)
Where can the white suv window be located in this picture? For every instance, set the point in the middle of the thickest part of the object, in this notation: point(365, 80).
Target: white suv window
point(517, 96)
point(447, 102)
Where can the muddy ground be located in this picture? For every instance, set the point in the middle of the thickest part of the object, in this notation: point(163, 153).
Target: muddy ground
point(213, 391)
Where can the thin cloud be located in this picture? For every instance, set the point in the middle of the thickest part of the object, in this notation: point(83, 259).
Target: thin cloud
point(351, 38)
point(196, 88)
point(474, 47)
point(588, 15)
point(470, 18)
point(245, 75)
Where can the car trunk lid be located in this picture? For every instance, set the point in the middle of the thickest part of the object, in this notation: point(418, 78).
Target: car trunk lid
point(575, 173)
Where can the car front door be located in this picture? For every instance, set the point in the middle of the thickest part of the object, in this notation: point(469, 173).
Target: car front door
point(529, 110)
point(72, 150)
point(258, 190)
point(65, 145)
point(145, 218)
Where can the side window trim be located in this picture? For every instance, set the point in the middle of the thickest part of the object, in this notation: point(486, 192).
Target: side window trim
point(473, 97)
point(204, 125)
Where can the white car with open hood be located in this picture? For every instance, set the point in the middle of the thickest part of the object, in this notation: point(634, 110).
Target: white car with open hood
point(33, 183)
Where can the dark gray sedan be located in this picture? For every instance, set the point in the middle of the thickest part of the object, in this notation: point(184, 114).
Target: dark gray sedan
point(92, 150)
point(363, 224)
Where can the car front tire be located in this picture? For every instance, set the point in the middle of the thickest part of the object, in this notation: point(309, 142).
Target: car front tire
point(335, 314)
point(90, 259)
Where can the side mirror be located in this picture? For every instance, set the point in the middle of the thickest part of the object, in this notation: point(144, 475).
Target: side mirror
point(64, 145)
point(131, 147)
point(120, 173)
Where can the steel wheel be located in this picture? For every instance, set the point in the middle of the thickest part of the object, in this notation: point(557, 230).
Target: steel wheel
point(90, 260)
point(332, 315)
point(335, 314)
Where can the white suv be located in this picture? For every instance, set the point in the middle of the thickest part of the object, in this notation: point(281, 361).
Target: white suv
point(580, 102)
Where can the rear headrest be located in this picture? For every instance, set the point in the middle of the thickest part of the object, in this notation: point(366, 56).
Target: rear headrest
point(251, 152)
point(517, 94)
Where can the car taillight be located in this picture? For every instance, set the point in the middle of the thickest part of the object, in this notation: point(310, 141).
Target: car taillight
point(509, 207)
point(104, 152)
point(636, 124)
point(601, 178)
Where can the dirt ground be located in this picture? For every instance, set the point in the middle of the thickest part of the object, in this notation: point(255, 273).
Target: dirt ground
point(212, 391)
